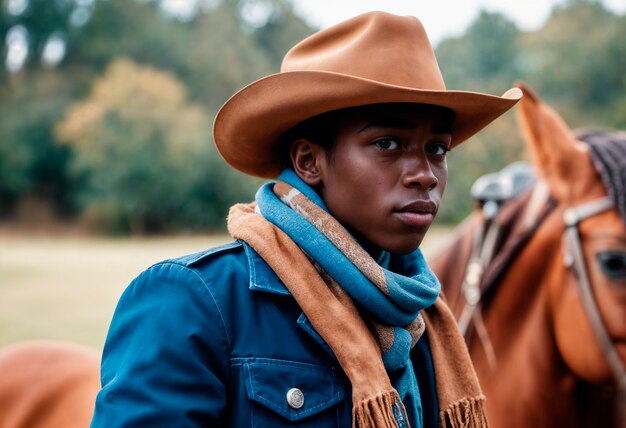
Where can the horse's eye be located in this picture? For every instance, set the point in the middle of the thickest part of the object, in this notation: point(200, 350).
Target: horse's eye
point(613, 264)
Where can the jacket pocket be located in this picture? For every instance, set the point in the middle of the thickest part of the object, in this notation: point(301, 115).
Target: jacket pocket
point(289, 393)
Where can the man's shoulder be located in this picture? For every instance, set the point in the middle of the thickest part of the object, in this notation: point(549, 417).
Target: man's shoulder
point(220, 269)
point(235, 248)
point(221, 261)
point(206, 266)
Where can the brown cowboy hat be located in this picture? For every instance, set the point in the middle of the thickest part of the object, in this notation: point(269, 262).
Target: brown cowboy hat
point(372, 58)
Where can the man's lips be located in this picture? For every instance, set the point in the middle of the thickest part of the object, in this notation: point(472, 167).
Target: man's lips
point(422, 206)
point(417, 213)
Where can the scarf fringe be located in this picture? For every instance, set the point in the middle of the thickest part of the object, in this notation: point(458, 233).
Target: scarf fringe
point(467, 413)
point(378, 412)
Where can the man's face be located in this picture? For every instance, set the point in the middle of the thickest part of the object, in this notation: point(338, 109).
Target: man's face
point(385, 176)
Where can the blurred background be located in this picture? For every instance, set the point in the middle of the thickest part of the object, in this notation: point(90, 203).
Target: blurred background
point(106, 108)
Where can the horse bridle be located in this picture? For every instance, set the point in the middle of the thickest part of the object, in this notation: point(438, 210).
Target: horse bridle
point(575, 260)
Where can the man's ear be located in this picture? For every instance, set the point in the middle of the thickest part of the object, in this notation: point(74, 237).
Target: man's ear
point(306, 157)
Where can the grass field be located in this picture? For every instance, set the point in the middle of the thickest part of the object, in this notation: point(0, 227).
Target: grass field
point(66, 288)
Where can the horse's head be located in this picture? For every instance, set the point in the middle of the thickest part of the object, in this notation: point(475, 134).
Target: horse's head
point(565, 166)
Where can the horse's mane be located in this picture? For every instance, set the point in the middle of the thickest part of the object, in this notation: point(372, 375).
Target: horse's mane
point(608, 153)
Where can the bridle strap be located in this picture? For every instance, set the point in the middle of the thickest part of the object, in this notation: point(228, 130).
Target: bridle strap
point(488, 259)
point(575, 259)
point(482, 254)
point(573, 216)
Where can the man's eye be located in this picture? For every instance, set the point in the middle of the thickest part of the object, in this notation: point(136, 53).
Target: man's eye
point(387, 144)
point(438, 149)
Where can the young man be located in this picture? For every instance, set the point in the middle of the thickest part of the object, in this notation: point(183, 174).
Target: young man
point(323, 312)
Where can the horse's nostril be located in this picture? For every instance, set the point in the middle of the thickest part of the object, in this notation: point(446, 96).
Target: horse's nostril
point(613, 264)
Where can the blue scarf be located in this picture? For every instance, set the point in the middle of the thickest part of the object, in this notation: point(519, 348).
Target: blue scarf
point(390, 301)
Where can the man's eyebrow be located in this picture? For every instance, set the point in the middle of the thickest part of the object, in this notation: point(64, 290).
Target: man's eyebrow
point(390, 122)
point(441, 129)
point(403, 123)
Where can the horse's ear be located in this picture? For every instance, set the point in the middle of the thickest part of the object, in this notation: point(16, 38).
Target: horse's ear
point(558, 156)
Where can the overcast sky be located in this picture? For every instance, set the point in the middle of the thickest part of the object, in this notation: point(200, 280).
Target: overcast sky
point(442, 18)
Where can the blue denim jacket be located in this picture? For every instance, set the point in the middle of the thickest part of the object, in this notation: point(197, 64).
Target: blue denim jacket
point(215, 339)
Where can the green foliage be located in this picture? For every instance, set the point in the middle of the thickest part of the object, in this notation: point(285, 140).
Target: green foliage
point(142, 151)
point(484, 60)
point(137, 157)
point(489, 151)
point(214, 55)
point(575, 62)
point(277, 36)
point(31, 164)
point(126, 176)
point(578, 60)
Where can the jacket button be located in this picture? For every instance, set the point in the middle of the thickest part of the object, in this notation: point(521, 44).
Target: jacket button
point(295, 398)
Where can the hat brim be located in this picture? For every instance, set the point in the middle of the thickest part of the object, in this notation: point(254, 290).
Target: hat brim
point(248, 126)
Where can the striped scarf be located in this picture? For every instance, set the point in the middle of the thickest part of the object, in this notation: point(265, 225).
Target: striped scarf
point(368, 315)
point(392, 298)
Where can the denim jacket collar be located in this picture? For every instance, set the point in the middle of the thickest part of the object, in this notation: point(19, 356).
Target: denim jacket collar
point(262, 277)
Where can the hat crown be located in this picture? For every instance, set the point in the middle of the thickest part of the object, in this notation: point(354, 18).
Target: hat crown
point(375, 58)
point(378, 46)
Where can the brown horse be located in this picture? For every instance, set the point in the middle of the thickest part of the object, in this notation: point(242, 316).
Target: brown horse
point(542, 302)
point(48, 385)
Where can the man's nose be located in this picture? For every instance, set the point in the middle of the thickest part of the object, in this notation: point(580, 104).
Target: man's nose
point(419, 174)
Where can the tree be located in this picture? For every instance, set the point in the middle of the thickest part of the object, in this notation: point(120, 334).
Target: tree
point(32, 165)
point(577, 60)
point(281, 30)
point(145, 154)
point(37, 31)
point(484, 59)
point(212, 53)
